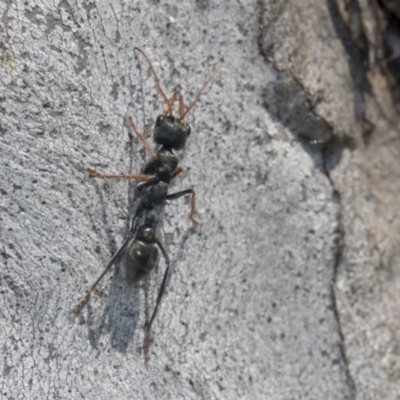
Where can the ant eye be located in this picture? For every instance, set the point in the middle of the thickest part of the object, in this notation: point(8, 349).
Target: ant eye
point(188, 130)
point(159, 120)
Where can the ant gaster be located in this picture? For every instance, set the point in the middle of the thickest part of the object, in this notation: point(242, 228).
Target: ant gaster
point(142, 243)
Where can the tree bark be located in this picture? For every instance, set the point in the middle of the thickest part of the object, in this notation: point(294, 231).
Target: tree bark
point(290, 289)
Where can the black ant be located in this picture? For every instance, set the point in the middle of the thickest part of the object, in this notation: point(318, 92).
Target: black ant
point(142, 243)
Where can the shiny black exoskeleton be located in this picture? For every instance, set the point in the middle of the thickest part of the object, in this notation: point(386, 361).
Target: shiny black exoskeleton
point(171, 134)
point(142, 252)
point(142, 243)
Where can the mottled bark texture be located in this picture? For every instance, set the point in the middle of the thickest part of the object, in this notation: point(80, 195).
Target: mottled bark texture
point(291, 289)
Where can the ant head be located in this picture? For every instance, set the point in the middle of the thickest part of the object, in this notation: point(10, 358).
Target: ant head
point(171, 131)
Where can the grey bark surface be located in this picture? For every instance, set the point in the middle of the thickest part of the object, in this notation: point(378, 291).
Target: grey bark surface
point(290, 290)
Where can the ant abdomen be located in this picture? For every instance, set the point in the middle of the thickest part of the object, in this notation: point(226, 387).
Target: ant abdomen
point(142, 254)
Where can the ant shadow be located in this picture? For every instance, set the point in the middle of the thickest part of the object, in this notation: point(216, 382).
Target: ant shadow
point(122, 309)
point(121, 312)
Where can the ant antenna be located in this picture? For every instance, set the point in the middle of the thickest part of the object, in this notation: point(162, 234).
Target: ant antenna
point(154, 74)
point(170, 101)
point(206, 82)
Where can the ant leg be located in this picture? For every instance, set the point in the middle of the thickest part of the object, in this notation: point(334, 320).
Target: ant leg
point(147, 339)
point(142, 138)
point(154, 74)
point(178, 171)
point(192, 203)
point(86, 298)
point(138, 177)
